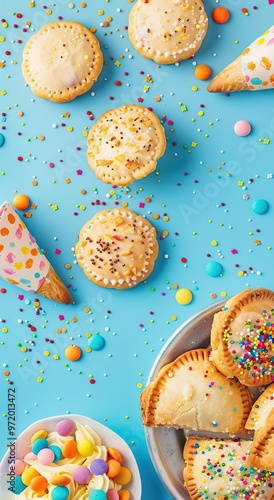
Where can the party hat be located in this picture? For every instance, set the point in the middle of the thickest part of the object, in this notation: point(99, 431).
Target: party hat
point(23, 263)
point(252, 70)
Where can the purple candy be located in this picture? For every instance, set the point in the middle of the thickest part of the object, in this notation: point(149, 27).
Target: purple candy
point(98, 467)
point(65, 427)
point(81, 475)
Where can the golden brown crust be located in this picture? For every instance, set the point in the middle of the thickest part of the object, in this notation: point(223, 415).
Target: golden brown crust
point(191, 393)
point(62, 61)
point(167, 39)
point(125, 144)
point(240, 337)
point(217, 468)
point(262, 450)
point(231, 79)
point(54, 289)
point(117, 249)
point(261, 409)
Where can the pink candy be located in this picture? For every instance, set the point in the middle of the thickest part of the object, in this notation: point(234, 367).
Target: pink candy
point(242, 128)
point(112, 494)
point(82, 475)
point(65, 427)
point(45, 456)
point(19, 467)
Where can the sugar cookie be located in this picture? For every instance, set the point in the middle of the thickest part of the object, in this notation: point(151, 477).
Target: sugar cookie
point(62, 61)
point(117, 249)
point(167, 31)
point(125, 144)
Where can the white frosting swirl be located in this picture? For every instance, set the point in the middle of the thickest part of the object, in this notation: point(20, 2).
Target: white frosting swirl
point(66, 467)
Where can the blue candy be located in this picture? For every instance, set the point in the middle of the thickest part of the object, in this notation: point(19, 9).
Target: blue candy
point(214, 269)
point(60, 493)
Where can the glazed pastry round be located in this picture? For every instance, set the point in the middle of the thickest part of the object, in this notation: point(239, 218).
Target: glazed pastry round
point(62, 61)
point(167, 31)
point(242, 337)
point(125, 144)
point(117, 249)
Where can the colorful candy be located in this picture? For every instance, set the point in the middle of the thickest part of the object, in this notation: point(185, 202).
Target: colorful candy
point(80, 447)
point(65, 427)
point(73, 352)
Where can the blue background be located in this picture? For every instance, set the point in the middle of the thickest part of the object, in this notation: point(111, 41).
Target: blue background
point(201, 205)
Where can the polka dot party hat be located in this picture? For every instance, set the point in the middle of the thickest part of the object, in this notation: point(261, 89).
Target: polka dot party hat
point(23, 263)
point(252, 70)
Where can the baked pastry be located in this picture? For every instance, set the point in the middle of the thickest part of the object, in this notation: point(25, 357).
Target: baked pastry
point(252, 70)
point(262, 449)
point(167, 31)
point(217, 469)
point(261, 409)
point(23, 263)
point(191, 393)
point(117, 249)
point(125, 144)
point(242, 337)
point(62, 61)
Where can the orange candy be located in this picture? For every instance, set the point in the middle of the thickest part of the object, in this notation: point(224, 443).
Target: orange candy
point(124, 476)
point(113, 453)
point(202, 72)
point(124, 495)
point(69, 449)
point(114, 467)
point(38, 483)
point(59, 480)
point(220, 15)
point(28, 474)
point(73, 352)
point(21, 201)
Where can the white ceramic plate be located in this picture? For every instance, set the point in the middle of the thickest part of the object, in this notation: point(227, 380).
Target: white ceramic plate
point(166, 445)
point(108, 438)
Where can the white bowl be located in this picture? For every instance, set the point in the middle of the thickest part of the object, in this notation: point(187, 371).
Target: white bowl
point(108, 438)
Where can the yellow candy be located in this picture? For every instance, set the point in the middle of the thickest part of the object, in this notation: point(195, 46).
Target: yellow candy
point(85, 447)
point(183, 296)
point(28, 474)
point(39, 434)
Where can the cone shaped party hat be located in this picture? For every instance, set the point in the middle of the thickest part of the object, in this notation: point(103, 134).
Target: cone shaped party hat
point(22, 262)
point(252, 70)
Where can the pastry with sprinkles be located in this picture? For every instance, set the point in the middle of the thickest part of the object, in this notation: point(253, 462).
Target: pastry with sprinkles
point(117, 249)
point(252, 70)
point(125, 144)
point(167, 31)
point(242, 337)
point(261, 409)
point(23, 263)
point(218, 469)
point(262, 449)
point(62, 61)
point(191, 393)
